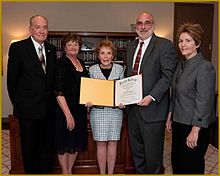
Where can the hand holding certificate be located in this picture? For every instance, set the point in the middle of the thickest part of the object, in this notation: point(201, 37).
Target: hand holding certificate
point(111, 93)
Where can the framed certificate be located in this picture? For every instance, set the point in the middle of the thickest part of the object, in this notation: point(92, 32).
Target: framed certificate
point(110, 92)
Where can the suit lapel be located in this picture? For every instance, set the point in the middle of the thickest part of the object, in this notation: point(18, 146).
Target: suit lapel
point(147, 53)
point(131, 55)
point(48, 56)
point(33, 56)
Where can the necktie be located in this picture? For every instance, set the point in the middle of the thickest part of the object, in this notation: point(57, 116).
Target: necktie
point(41, 58)
point(137, 60)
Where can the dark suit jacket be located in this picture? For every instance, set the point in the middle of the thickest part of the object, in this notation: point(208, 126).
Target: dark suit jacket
point(158, 66)
point(30, 90)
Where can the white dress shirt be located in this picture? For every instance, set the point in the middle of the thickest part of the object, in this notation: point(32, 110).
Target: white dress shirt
point(37, 45)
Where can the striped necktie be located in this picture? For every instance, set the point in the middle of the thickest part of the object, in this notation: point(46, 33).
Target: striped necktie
point(137, 60)
point(41, 58)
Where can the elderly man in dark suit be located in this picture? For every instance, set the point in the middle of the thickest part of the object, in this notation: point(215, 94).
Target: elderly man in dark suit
point(30, 80)
point(156, 61)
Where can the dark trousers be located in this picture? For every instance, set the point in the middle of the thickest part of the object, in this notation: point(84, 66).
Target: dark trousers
point(36, 145)
point(146, 142)
point(184, 159)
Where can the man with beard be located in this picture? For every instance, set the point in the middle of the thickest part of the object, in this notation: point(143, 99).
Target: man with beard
point(155, 58)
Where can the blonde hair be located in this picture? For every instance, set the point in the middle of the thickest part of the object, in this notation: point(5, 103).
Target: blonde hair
point(107, 44)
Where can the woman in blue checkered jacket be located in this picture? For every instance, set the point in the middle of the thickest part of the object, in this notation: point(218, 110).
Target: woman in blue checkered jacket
point(106, 122)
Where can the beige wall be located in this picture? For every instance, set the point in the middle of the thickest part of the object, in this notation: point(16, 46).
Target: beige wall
point(80, 16)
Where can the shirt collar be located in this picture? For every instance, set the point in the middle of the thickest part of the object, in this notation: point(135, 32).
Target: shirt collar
point(36, 44)
point(146, 41)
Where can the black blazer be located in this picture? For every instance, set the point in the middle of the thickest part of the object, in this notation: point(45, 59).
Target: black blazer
point(157, 67)
point(30, 89)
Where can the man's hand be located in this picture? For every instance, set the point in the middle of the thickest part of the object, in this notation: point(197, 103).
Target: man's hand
point(145, 101)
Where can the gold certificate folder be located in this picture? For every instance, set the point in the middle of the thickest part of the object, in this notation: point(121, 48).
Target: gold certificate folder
point(99, 92)
point(111, 93)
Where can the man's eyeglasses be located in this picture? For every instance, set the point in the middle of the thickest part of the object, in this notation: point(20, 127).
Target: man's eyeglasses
point(139, 24)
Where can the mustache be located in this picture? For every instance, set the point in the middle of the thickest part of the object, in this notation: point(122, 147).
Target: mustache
point(143, 30)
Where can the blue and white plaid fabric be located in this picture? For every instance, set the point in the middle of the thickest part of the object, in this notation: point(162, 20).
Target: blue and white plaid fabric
point(106, 122)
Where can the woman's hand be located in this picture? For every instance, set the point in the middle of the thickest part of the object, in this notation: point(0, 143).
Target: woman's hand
point(191, 140)
point(169, 122)
point(70, 122)
point(88, 104)
point(121, 105)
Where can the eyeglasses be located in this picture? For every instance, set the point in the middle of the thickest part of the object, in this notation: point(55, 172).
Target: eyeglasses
point(139, 24)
